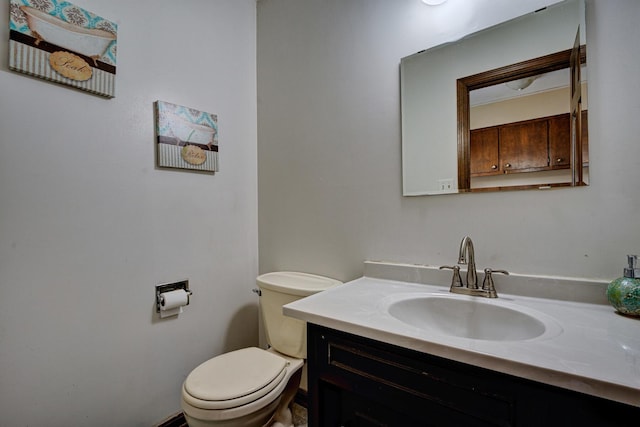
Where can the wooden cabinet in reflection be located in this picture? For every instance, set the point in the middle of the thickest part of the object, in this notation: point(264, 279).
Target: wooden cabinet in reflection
point(526, 146)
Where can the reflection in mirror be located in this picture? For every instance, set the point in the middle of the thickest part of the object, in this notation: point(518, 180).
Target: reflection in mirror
point(430, 104)
point(515, 126)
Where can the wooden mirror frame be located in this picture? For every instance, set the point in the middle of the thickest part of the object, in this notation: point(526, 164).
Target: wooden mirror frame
point(544, 64)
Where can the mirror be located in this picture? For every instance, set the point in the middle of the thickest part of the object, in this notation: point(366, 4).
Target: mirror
point(440, 84)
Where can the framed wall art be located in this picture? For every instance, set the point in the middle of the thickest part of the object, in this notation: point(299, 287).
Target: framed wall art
point(58, 41)
point(186, 138)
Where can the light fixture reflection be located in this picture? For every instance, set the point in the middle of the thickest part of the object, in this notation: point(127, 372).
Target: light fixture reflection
point(433, 2)
point(521, 84)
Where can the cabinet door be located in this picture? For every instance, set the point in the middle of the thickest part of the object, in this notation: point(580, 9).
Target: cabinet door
point(353, 410)
point(560, 141)
point(485, 158)
point(524, 146)
point(354, 382)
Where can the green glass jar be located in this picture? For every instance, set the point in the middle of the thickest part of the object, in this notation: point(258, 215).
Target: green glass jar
point(624, 293)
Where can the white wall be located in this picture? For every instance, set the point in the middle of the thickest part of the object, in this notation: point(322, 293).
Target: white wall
point(89, 226)
point(329, 151)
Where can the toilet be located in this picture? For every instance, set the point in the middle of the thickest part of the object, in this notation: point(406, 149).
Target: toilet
point(252, 387)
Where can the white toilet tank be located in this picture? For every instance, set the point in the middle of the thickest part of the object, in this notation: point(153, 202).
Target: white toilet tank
point(286, 334)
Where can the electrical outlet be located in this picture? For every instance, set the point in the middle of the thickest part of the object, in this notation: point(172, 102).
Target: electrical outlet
point(445, 185)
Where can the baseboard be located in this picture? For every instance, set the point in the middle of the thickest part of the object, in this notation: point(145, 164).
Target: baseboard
point(176, 420)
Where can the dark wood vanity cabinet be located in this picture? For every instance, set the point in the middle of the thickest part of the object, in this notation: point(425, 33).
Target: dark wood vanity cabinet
point(358, 382)
point(527, 146)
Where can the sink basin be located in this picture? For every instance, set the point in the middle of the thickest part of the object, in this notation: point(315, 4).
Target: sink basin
point(471, 317)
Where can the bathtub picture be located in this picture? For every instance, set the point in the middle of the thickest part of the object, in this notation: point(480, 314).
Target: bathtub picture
point(63, 43)
point(186, 138)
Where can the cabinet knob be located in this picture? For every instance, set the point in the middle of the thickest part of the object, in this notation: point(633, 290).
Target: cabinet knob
point(494, 166)
point(559, 160)
point(507, 165)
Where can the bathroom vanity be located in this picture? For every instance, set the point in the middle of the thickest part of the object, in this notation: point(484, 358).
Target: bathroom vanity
point(355, 381)
point(368, 367)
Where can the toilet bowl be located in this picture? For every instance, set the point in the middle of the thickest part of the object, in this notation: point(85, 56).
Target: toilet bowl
point(240, 388)
point(252, 387)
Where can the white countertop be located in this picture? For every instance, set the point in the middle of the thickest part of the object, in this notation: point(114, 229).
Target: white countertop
point(597, 352)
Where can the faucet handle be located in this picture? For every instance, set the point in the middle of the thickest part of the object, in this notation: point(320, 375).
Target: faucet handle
point(456, 280)
point(488, 285)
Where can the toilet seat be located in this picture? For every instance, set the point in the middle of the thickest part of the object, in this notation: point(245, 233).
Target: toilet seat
point(234, 379)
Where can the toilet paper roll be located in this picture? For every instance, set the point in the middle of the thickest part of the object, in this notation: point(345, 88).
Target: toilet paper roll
point(171, 302)
point(170, 312)
point(173, 299)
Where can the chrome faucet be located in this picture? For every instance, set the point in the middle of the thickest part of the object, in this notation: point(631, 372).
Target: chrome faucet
point(466, 250)
point(467, 256)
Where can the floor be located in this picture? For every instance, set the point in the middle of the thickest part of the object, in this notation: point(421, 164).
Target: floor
point(299, 415)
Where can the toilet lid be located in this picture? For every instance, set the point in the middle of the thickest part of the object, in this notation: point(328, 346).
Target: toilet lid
point(237, 377)
point(295, 283)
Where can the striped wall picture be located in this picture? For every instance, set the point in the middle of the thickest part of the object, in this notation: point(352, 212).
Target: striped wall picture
point(60, 42)
point(35, 62)
point(170, 157)
point(186, 138)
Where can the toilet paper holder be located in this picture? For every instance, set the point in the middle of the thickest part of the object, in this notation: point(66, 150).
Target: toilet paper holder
point(173, 286)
